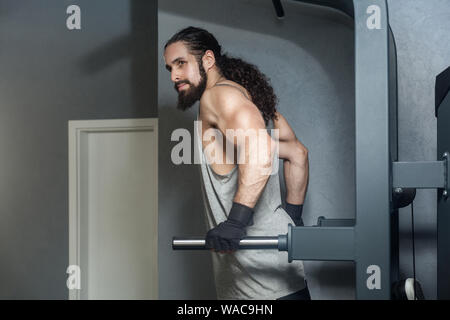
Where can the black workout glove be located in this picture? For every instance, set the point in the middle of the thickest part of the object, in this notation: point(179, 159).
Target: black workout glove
point(295, 212)
point(226, 236)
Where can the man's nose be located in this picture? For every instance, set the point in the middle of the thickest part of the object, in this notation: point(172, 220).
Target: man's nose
point(174, 76)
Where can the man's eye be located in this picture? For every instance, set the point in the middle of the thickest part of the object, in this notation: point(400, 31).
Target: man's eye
point(181, 62)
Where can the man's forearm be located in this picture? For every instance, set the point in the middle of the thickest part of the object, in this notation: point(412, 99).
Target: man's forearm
point(250, 188)
point(296, 180)
point(253, 176)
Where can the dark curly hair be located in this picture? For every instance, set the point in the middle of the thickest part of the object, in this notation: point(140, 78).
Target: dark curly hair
point(248, 75)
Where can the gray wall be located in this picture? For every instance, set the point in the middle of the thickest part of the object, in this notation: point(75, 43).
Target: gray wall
point(50, 75)
point(309, 58)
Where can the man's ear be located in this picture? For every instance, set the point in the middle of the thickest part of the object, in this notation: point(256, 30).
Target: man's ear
point(209, 60)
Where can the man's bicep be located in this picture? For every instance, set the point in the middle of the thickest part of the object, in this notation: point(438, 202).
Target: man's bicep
point(239, 118)
point(243, 125)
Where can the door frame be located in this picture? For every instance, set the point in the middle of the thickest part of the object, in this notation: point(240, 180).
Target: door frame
point(77, 134)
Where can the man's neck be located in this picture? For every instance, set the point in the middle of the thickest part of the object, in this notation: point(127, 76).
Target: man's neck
point(213, 78)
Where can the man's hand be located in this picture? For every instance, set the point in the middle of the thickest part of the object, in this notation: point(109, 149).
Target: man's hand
point(227, 235)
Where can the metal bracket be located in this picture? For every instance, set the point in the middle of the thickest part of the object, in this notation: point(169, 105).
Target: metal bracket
point(321, 243)
point(446, 191)
point(324, 222)
point(423, 174)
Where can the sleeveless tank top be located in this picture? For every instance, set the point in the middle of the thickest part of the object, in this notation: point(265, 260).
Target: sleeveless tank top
point(249, 274)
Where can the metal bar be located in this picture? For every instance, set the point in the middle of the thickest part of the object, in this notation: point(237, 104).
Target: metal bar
point(372, 235)
point(278, 8)
point(246, 243)
point(420, 174)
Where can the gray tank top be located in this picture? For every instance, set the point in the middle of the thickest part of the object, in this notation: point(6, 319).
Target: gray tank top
point(249, 274)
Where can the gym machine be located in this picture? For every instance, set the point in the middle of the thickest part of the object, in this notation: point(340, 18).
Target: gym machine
point(383, 185)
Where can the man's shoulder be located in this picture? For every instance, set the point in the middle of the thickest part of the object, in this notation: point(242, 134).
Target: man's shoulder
point(221, 94)
point(222, 99)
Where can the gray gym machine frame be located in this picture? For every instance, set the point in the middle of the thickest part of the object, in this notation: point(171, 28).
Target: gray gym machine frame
point(371, 239)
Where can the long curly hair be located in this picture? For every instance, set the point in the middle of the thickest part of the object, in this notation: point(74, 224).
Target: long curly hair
point(247, 75)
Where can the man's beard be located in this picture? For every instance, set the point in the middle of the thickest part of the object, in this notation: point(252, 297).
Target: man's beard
point(187, 98)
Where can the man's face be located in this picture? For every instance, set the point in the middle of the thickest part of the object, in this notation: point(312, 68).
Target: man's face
point(186, 73)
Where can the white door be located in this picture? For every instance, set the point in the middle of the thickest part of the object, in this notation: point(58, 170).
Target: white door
point(113, 212)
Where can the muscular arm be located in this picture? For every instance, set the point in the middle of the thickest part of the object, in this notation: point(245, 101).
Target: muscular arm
point(295, 161)
point(256, 152)
point(253, 172)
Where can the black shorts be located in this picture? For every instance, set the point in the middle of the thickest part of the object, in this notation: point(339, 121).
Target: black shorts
point(298, 295)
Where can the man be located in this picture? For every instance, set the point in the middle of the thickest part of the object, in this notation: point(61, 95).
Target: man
point(241, 198)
